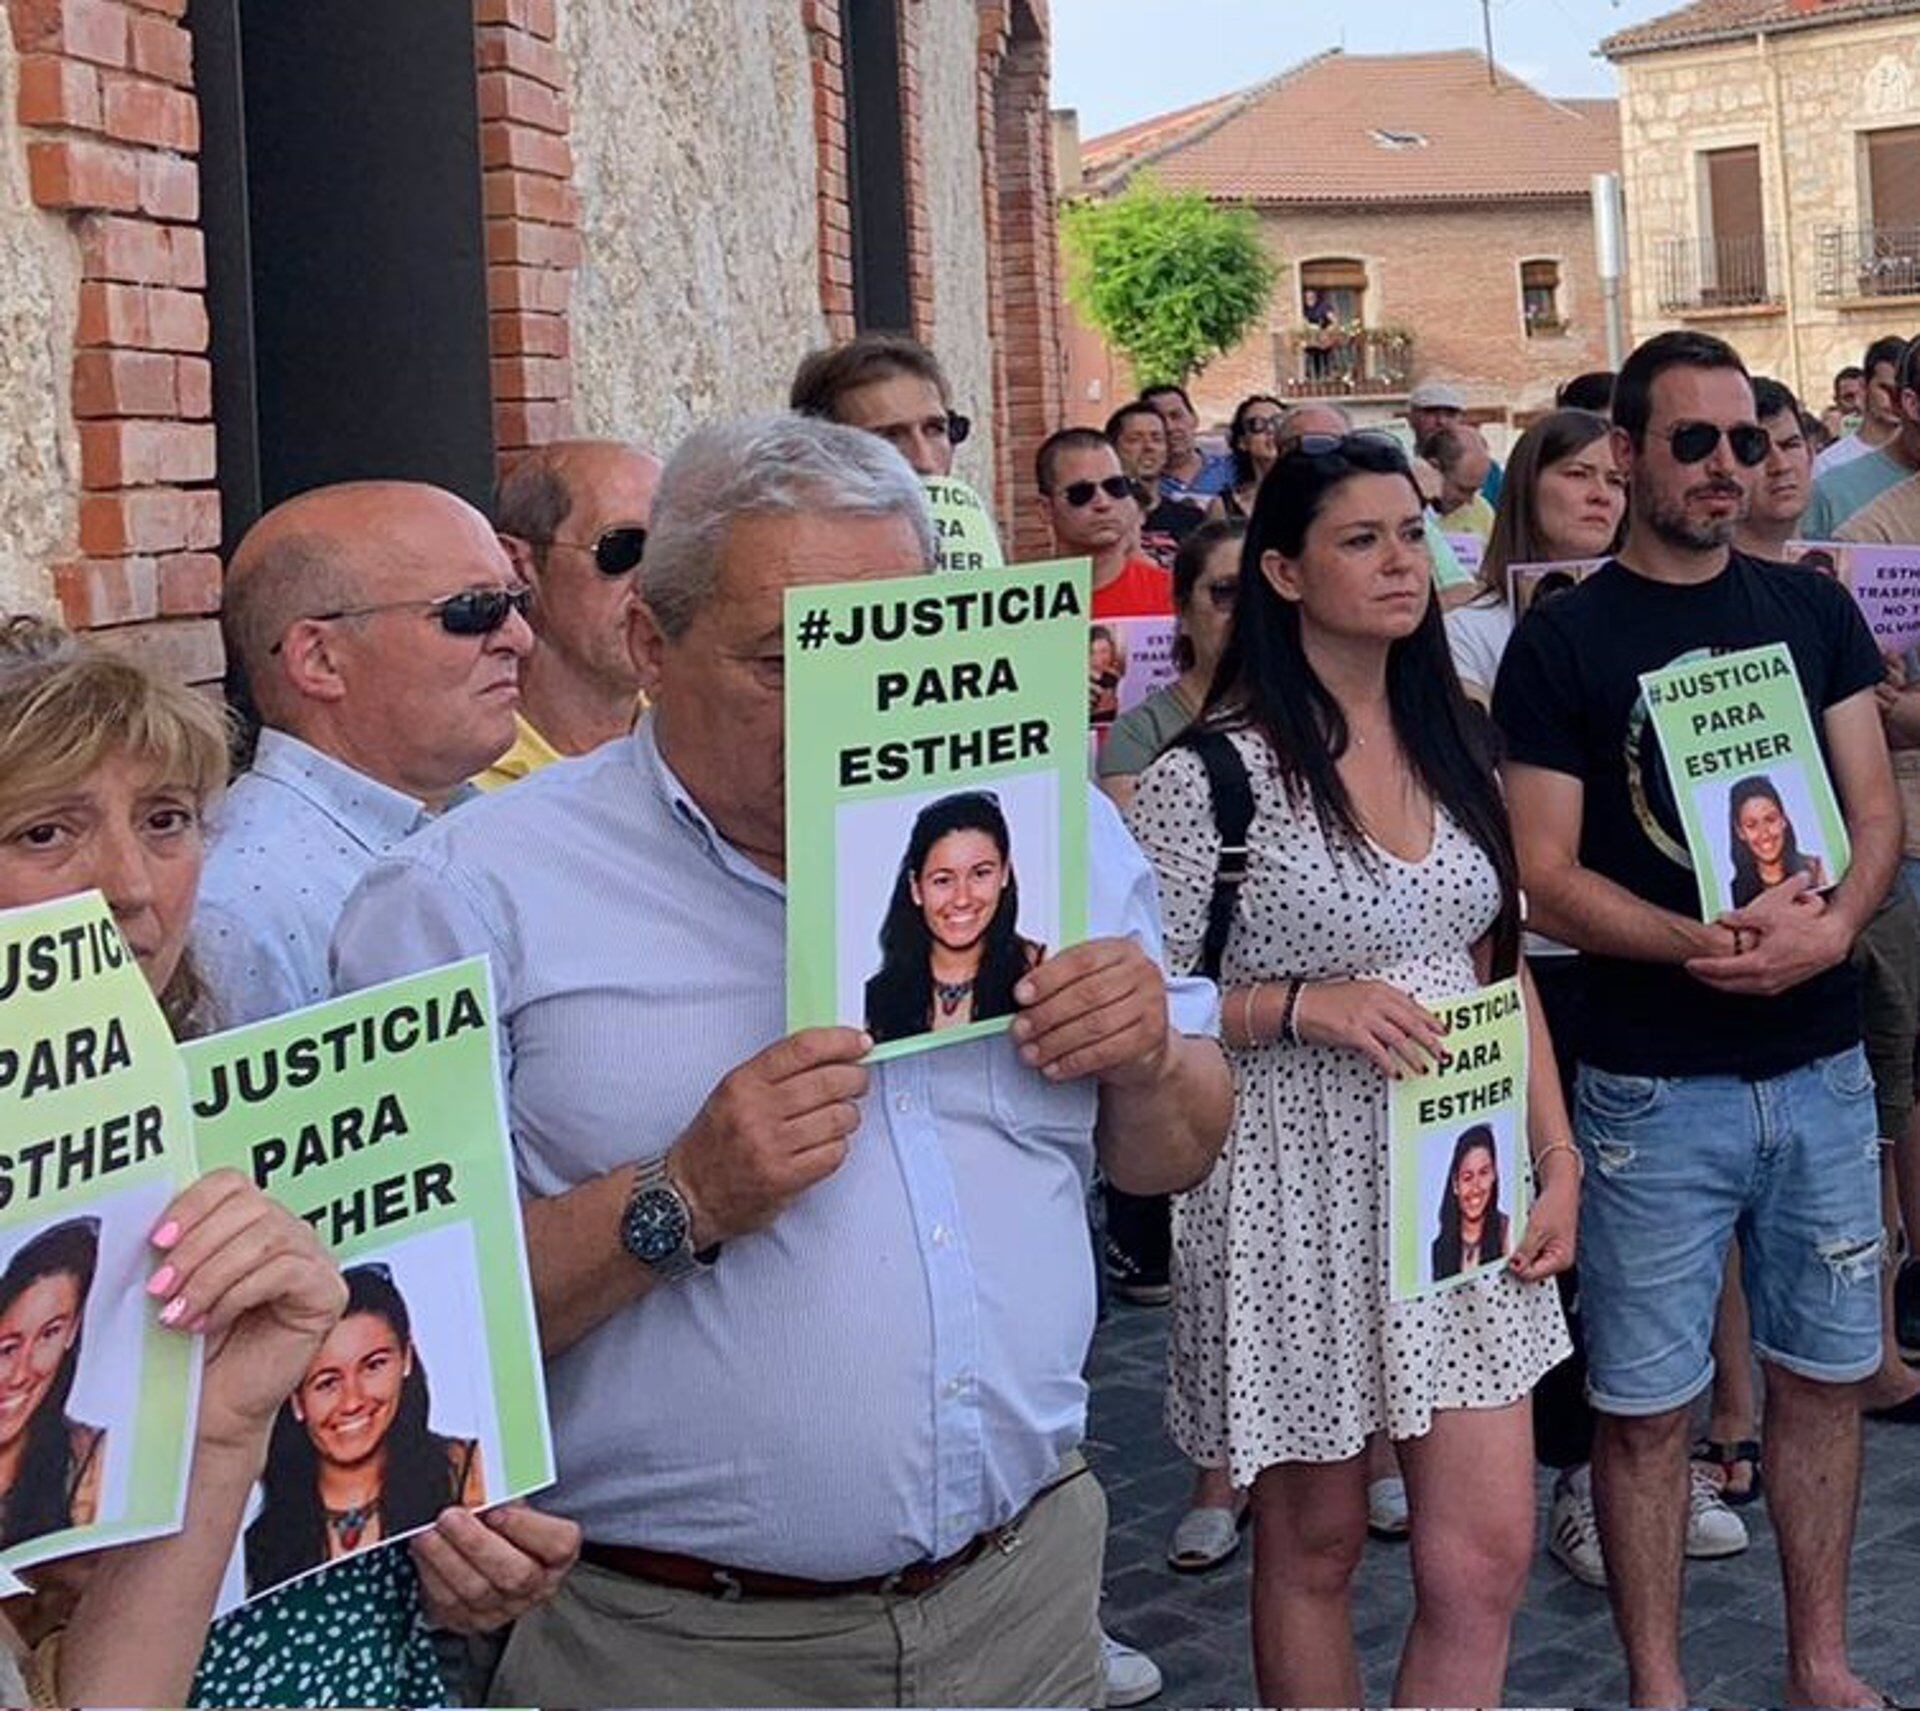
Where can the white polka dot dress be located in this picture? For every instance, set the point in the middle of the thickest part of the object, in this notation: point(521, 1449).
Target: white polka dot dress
point(1286, 1344)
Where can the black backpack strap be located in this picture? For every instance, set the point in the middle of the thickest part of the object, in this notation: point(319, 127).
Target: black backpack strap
point(1232, 814)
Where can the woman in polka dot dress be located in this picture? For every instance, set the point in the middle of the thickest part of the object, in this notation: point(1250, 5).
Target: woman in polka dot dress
point(1381, 878)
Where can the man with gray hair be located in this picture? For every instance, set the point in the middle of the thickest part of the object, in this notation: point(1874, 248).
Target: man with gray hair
point(573, 517)
point(815, 1326)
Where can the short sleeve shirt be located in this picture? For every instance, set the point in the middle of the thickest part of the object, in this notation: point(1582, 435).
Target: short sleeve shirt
point(1568, 700)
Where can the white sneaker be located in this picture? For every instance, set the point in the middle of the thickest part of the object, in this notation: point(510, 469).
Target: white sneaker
point(1713, 1530)
point(1132, 1677)
point(1573, 1535)
point(1387, 1508)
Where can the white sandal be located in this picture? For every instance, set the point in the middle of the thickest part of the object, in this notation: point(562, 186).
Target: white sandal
point(1205, 1538)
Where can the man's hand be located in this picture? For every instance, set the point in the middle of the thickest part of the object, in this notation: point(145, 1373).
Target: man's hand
point(480, 1572)
point(1899, 704)
point(772, 1129)
point(1098, 1009)
point(1793, 939)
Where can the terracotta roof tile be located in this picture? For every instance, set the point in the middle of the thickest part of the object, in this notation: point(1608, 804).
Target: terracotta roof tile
point(1361, 128)
point(1725, 20)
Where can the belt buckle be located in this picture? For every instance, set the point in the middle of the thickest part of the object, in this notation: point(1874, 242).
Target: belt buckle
point(726, 1588)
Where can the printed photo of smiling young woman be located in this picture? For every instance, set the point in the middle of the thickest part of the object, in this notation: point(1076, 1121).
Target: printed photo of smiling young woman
point(367, 1450)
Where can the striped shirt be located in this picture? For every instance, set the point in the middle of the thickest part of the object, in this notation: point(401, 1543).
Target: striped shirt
point(893, 1365)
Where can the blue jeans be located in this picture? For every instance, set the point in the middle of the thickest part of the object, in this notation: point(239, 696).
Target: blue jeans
point(1677, 1167)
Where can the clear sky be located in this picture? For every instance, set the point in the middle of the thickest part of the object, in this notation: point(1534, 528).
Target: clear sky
point(1122, 60)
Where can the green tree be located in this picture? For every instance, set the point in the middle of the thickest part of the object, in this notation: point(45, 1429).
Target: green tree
point(1171, 279)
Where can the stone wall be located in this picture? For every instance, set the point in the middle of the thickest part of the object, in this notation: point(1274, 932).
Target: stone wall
point(698, 288)
point(1451, 278)
point(1805, 99)
point(956, 320)
point(39, 450)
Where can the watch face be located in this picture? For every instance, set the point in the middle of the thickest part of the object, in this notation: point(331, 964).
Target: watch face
point(655, 1227)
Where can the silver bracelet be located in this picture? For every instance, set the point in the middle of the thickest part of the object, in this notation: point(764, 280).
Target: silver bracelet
point(1547, 1152)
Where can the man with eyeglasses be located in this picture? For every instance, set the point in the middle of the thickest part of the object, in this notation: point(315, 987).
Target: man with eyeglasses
point(1723, 1091)
point(890, 385)
point(381, 630)
point(573, 517)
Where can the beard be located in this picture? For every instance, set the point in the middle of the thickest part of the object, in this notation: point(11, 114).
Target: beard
point(1669, 519)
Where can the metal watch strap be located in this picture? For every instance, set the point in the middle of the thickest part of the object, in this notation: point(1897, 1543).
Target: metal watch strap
point(682, 1262)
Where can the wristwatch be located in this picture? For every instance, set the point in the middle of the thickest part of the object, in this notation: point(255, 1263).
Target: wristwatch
point(657, 1226)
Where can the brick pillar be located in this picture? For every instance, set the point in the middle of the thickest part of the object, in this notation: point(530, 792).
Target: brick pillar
point(106, 102)
point(1023, 307)
point(532, 217)
point(821, 20)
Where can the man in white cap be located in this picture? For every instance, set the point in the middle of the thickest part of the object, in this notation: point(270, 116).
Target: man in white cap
point(1437, 404)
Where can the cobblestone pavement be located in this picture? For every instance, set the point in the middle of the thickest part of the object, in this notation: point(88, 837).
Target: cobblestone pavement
point(1195, 1627)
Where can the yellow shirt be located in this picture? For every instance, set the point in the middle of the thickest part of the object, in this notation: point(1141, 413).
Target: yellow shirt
point(1473, 518)
point(530, 752)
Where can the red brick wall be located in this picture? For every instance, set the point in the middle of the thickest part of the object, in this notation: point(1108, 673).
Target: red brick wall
point(822, 21)
point(106, 106)
point(533, 220)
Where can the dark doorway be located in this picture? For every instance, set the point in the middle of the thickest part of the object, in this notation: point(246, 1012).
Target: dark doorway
point(877, 164)
point(347, 284)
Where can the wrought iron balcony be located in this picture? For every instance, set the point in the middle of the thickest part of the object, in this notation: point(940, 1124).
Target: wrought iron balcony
point(1718, 273)
point(1873, 261)
point(1333, 362)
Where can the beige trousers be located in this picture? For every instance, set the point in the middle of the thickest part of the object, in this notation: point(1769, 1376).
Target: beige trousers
point(1017, 1627)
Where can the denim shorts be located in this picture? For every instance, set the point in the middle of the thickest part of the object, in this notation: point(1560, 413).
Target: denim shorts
point(1679, 1166)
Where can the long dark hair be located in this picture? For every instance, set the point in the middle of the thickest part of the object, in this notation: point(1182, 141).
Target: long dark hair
point(1480, 1137)
point(1266, 684)
point(1243, 470)
point(289, 1535)
point(900, 994)
point(40, 1501)
point(1747, 883)
point(1516, 537)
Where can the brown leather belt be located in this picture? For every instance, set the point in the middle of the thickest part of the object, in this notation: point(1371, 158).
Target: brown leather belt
point(717, 1580)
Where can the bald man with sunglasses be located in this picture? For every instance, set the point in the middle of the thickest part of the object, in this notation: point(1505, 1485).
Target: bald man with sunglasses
point(573, 517)
point(381, 630)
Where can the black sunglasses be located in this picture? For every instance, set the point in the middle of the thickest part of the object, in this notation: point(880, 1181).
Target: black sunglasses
point(1222, 595)
point(615, 553)
point(1326, 445)
point(1078, 493)
point(471, 612)
point(1694, 442)
point(1261, 425)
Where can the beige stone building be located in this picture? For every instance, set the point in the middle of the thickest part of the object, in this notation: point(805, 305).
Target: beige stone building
point(1772, 177)
point(1434, 218)
point(249, 246)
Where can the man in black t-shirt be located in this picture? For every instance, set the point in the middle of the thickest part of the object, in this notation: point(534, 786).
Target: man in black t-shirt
point(1723, 1090)
point(1140, 438)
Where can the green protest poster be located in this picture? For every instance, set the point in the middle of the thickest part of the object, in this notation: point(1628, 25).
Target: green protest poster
point(1458, 1182)
point(1530, 585)
point(378, 1119)
point(97, 1398)
point(1748, 775)
point(963, 531)
point(936, 797)
point(1449, 570)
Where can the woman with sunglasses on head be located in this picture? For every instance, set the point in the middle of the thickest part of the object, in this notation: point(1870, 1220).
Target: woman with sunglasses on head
point(1381, 878)
point(1253, 441)
point(108, 778)
point(1563, 498)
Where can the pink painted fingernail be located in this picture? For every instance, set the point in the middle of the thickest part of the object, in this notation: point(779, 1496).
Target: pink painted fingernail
point(161, 1281)
point(174, 1310)
point(167, 1234)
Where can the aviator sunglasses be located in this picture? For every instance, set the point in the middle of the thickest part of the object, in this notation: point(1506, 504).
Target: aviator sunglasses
point(1694, 442)
point(616, 552)
point(471, 612)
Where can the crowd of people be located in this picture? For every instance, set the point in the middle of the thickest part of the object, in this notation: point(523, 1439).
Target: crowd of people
point(816, 1324)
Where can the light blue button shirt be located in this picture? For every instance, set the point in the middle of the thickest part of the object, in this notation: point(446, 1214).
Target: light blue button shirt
point(895, 1363)
point(295, 835)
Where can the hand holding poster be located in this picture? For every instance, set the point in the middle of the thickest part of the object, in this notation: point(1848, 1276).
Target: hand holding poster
point(377, 1119)
point(96, 1424)
point(1884, 583)
point(936, 797)
point(1749, 777)
point(1458, 1187)
point(1530, 585)
point(963, 532)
